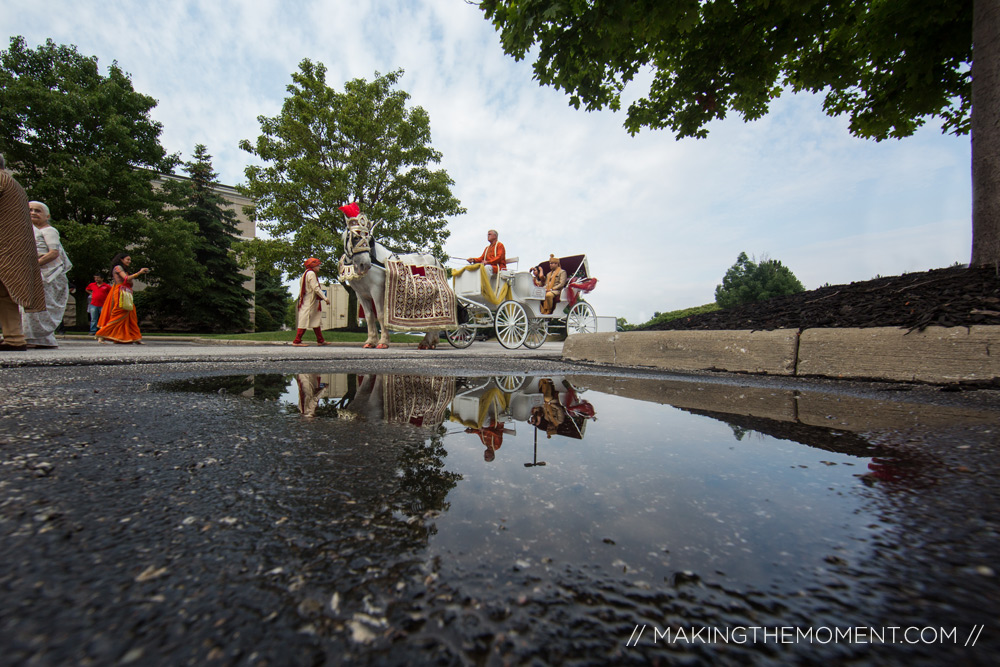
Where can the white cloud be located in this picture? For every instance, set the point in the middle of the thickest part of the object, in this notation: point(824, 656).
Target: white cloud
point(660, 220)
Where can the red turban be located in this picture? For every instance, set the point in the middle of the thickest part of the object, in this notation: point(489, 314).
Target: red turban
point(351, 210)
point(311, 263)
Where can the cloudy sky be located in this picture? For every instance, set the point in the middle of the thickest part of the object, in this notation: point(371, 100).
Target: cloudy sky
point(660, 220)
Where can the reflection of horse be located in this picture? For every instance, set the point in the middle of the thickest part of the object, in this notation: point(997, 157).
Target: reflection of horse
point(365, 267)
point(416, 400)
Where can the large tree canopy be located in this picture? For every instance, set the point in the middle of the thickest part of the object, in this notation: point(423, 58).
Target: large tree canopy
point(329, 148)
point(84, 144)
point(888, 65)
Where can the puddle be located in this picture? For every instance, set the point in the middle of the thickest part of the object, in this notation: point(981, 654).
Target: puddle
point(552, 470)
point(552, 519)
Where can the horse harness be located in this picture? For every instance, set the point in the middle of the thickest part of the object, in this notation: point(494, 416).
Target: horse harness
point(358, 239)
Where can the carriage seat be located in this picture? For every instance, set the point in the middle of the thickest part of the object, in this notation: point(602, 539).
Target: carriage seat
point(507, 273)
point(575, 269)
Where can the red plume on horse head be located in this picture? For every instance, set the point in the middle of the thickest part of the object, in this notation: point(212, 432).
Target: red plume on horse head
point(351, 210)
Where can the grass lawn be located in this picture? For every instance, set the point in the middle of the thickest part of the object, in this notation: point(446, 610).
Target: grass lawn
point(309, 337)
point(287, 336)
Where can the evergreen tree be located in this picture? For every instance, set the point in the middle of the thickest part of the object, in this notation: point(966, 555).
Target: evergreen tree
point(215, 298)
point(271, 300)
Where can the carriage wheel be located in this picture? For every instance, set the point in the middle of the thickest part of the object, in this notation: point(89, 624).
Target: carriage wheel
point(461, 337)
point(509, 383)
point(581, 319)
point(538, 331)
point(511, 324)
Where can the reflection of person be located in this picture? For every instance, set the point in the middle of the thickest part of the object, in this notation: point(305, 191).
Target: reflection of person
point(310, 304)
point(20, 277)
point(494, 257)
point(555, 281)
point(98, 291)
point(538, 420)
point(552, 409)
point(118, 322)
point(40, 327)
point(311, 389)
point(492, 437)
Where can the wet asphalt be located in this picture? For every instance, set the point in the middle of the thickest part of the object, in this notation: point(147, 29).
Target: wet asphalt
point(143, 525)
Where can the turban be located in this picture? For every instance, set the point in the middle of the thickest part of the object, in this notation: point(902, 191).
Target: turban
point(311, 263)
point(351, 210)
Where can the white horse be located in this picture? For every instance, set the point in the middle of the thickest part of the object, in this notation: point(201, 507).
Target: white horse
point(363, 268)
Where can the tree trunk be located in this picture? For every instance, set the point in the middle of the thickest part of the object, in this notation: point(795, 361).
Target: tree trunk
point(986, 133)
point(82, 299)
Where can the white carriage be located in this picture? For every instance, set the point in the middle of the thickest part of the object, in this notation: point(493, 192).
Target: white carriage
point(509, 303)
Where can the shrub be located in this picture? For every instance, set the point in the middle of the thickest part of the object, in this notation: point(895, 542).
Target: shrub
point(746, 281)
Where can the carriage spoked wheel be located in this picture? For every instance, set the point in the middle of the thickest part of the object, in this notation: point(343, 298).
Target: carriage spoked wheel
point(538, 331)
point(461, 337)
point(581, 319)
point(509, 383)
point(511, 322)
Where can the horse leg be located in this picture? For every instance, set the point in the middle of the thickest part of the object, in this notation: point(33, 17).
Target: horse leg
point(430, 340)
point(378, 301)
point(371, 323)
point(383, 341)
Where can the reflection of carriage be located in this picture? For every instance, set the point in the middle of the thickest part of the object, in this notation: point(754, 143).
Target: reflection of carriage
point(550, 404)
point(510, 303)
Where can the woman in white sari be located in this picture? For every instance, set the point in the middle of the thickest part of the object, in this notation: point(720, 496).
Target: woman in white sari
point(39, 328)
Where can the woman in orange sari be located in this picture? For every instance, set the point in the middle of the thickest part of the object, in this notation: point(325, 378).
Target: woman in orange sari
point(118, 322)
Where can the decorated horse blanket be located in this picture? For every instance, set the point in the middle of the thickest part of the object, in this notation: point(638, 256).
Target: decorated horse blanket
point(417, 400)
point(418, 298)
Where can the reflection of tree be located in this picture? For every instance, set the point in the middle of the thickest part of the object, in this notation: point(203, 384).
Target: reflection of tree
point(424, 483)
point(739, 432)
point(269, 386)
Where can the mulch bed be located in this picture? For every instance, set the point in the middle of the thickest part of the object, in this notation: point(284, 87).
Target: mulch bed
point(942, 297)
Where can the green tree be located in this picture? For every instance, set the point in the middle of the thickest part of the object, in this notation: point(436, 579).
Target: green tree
point(328, 148)
point(746, 281)
point(210, 296)
point(84, 144)
point(887, 65)
point(271, 300)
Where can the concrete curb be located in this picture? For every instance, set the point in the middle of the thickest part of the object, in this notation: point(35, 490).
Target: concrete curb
point(935, 355)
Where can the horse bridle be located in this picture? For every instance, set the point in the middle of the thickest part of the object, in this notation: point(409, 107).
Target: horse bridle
point(359, 237)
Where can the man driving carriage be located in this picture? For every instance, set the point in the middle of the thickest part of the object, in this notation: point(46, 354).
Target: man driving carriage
point(494, 257)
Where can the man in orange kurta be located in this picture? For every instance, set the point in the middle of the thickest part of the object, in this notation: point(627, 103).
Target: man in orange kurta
point(494, 258)
point(492, 437)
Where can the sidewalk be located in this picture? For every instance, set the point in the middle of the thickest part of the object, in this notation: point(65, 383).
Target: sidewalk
point(83, 350)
